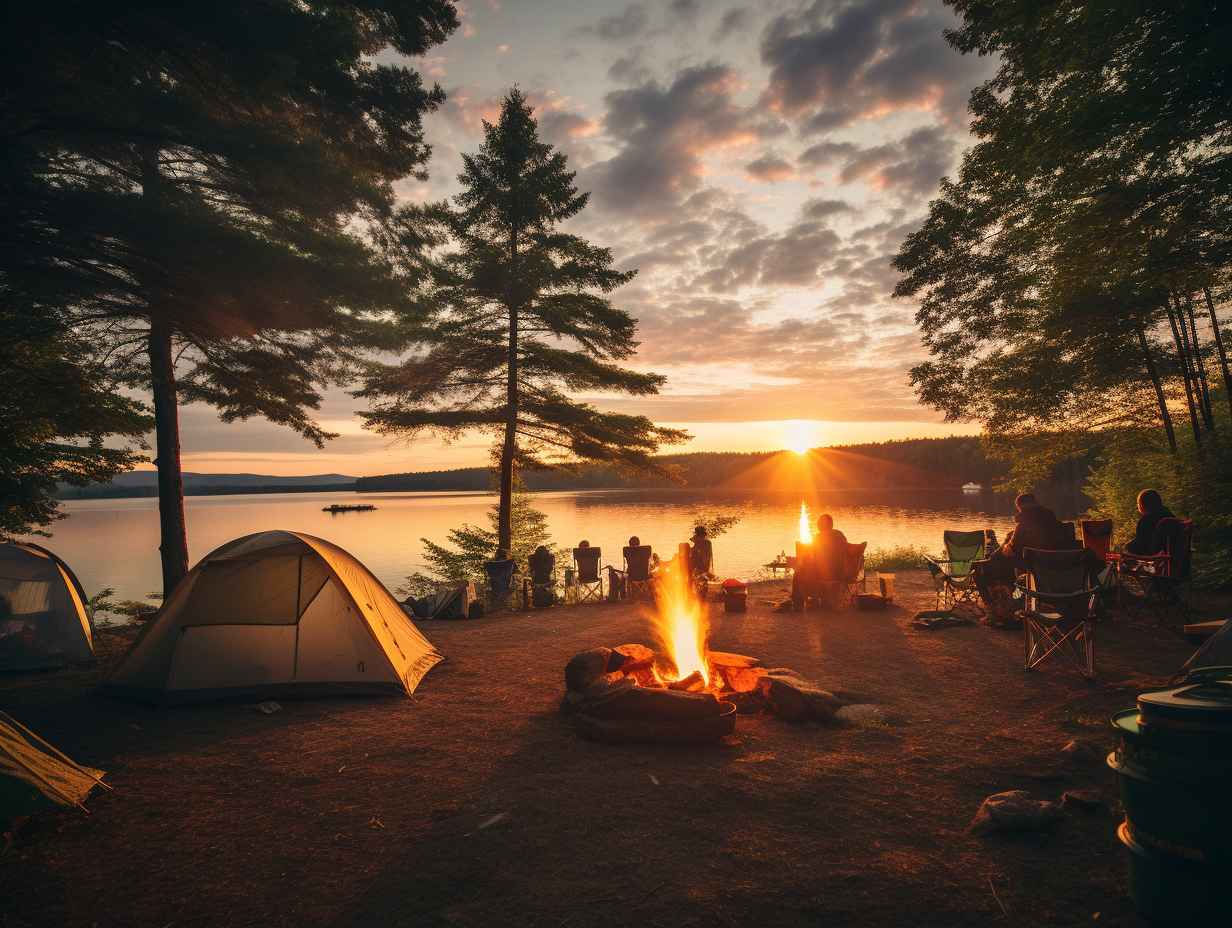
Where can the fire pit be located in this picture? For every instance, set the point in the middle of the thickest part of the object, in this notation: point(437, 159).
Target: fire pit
point(681, 691)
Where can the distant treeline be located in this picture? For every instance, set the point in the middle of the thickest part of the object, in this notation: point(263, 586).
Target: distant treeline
point(910, 464)
point(113, 491)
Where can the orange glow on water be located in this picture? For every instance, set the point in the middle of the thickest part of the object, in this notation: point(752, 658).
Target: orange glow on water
point(806, 528)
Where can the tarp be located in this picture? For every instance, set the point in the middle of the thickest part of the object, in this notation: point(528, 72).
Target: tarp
point(276, 612)
point(27, 757)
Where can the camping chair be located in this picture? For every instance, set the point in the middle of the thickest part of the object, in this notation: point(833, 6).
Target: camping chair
point(1160, 577)
point(1097, 538)
point(588, 583)
point(539, 589)
point(637, 572)
point(1059, 612)
point(953, 575)
point(853, 577)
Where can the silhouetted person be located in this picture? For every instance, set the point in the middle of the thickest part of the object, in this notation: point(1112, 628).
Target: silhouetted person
point(1035, 526)
point(827, 562)
point(701, 554)
point(542, 564)
point(1151, 509)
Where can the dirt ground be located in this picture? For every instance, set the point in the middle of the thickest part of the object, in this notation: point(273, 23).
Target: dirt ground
point(475, 803)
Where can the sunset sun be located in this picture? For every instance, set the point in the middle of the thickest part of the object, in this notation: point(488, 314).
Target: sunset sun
point(799, 435)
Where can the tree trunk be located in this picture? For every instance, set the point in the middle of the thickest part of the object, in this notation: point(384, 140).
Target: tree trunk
point(1153, 373)
point(1223, 355)
point(1208, 414)
point(504, 521)
point(173, 542)
point(1189, 393)
point(174, 530)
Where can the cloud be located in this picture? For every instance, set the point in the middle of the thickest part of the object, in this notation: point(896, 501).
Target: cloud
point(823, 209)
point(630, 68)
point(737, 19)
point(769, 168)
point(663, 133)
point(910, 166)
point(687, 10)
point(632, 21)
point(832, 63)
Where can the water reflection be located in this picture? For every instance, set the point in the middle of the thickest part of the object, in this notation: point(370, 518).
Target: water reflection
point(115, 542)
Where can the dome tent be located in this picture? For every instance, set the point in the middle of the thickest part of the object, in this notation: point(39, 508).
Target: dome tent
point(43, 618)
point(276, 613)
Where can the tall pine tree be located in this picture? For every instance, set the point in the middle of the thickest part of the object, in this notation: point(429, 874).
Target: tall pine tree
point(187, 187)
point(522, 320)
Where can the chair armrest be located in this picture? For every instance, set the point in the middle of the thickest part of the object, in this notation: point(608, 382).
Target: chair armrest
point(1056, 597)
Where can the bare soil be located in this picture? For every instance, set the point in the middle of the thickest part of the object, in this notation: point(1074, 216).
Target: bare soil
point(475, 803)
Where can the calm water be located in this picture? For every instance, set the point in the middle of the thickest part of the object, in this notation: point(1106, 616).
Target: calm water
point(115, 542)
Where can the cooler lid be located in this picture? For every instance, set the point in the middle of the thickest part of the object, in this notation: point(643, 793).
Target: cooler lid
point(1204, 700)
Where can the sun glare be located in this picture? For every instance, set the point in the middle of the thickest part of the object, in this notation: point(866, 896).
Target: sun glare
point(806, 525)
point(799, 435)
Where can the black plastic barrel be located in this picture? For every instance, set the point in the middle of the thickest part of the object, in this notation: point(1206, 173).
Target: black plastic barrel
point(1174, 764)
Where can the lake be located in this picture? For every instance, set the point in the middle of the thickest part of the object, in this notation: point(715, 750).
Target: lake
point(114, 542)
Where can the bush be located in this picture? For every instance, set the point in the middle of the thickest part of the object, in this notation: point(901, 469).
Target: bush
point(899, 557)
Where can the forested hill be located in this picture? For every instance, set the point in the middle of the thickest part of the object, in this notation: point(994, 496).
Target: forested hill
point(914, 463)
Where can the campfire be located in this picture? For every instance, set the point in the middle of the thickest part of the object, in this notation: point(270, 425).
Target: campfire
point(682, 690)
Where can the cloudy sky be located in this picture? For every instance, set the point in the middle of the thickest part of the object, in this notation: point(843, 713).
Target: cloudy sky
point(758, 163)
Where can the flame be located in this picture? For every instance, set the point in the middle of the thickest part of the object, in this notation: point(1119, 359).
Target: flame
point(681, 624)
point(806, 527)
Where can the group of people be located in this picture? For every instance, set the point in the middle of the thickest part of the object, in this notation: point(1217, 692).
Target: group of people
point(1037, 527)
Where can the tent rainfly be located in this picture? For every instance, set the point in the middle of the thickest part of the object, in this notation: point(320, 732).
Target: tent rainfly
point(276, 613)
point(43, 618)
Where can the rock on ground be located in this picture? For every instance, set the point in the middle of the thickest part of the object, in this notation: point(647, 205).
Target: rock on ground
point(1014, 810)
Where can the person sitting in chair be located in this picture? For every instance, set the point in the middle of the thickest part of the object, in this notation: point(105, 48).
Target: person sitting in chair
point(1151, 510)
point(542, 564)
point(827, 563)
point(701, 554)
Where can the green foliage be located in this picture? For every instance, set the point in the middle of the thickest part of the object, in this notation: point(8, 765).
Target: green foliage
point(474, 545)
point(899, 557)
point(57, 411)
point(101, 604)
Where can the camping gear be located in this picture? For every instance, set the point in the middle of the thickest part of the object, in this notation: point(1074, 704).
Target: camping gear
point(1097, 536)
point(1216, 651)
point(1059, 608)
point(853, 571)
point(735, 595)
point(542, 579)
point(1161, 577)
point(1198, 632)
point(952, 575)
point(33, 773)
point(1174, 762)
point(933, 619)
point(870, 602)
point(43, 618)
point(276, 613)
point(452, 602)
point(885, 585)
point(588, 583)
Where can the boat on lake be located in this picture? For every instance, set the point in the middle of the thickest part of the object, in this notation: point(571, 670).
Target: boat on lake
point(973, 488)
point(342, 507)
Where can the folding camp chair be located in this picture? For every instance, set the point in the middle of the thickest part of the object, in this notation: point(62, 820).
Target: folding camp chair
point(1059, 613)
point(1097, 538)
point(539, 589)
point(637, 572)
point(588, 583)
point(952, 575)
point(853, 577)
point(1160, 578)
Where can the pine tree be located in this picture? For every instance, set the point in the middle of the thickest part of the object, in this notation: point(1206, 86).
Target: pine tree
point(519, 325)
point(187, 185)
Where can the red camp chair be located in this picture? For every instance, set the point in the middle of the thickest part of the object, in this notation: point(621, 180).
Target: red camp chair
point(1161, 577)
point(1097, 536)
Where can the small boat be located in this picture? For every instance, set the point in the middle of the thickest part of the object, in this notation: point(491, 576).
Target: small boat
point(973, 488)
point(339, 507)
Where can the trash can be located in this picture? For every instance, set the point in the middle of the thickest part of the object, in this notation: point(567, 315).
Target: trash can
point(735, 595)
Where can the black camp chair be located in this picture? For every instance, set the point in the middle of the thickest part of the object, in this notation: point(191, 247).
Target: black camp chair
point(588, 584)
point(540, 587)
point(1060, 608)
point(637, 571)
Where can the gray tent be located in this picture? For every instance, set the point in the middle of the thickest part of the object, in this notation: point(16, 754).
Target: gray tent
point(43, 618)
